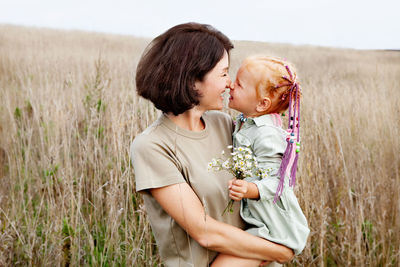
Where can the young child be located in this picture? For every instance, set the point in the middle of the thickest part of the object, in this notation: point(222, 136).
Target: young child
point(265, 87)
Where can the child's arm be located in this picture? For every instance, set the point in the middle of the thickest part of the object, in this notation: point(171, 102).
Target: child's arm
point(239, 189)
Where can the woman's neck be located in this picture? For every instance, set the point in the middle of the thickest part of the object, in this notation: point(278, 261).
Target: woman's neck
point(189, 120)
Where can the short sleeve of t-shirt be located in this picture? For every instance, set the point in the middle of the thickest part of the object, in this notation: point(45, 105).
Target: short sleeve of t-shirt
point(154, 165)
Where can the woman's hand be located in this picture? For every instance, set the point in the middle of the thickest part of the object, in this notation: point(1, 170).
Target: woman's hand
point(239, 189)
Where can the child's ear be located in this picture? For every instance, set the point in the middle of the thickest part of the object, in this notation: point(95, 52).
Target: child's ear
point(264, 104)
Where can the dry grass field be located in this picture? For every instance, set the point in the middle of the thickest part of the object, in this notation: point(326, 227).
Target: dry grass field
point(69, 110)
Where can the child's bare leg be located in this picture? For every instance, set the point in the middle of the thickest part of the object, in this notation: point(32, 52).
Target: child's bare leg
point(224, 260)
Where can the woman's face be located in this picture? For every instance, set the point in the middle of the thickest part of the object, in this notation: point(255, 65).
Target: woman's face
point(213, 85)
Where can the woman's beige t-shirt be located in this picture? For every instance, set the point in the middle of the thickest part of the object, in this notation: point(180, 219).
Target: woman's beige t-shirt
point(165, 154)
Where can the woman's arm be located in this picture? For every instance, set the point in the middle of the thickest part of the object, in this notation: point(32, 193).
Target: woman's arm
point(183, 205)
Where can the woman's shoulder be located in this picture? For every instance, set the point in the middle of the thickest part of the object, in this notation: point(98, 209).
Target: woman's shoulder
point(151, 136)
point(151, 144)
point(219, 118)
point(142, 142)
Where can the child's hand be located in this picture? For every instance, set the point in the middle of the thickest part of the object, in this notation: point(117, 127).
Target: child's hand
point(238, 189)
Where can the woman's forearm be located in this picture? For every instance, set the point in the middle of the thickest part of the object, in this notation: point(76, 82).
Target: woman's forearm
point(231, 240)
point(183, 205)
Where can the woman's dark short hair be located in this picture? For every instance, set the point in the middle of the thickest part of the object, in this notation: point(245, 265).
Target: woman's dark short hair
point(175, 60)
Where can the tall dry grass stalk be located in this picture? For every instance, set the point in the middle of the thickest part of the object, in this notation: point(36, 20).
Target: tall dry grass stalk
point(68, 112)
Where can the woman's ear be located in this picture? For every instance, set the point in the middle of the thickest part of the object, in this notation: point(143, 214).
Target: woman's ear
point(264, 104)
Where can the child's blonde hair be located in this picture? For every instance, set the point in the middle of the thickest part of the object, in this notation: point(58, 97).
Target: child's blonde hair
point(274, 78)
point(277, 79)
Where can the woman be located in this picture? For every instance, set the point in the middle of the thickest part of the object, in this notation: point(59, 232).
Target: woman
point(184, 72)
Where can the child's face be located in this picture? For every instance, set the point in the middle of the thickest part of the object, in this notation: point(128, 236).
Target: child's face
point(243, 93)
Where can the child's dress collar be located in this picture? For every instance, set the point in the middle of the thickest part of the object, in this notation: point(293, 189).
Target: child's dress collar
point(273, 119)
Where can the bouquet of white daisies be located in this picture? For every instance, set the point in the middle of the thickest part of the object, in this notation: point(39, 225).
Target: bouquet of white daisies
point(240, 164)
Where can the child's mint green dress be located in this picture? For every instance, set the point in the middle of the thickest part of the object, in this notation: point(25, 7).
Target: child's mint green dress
point(282, 222)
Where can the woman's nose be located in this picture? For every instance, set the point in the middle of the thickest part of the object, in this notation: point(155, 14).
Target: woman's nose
point(230, 85)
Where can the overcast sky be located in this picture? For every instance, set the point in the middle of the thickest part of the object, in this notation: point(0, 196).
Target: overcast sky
point(336, 23)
